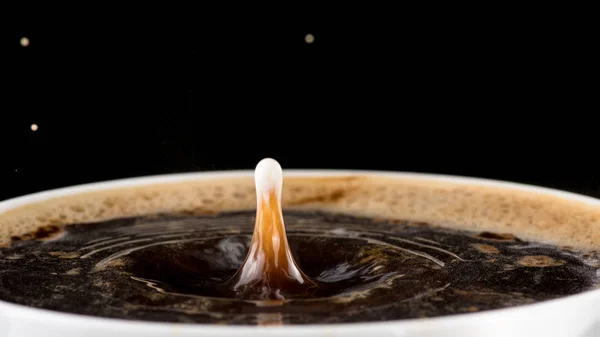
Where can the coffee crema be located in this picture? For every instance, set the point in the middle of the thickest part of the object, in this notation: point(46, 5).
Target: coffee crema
point(355, 247)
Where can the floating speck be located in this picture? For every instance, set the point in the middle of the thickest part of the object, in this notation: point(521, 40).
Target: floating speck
point(34, 127)
point(309, 38)
point(24, 41)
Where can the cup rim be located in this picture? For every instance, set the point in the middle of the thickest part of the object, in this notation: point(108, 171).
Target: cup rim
point(25, 312)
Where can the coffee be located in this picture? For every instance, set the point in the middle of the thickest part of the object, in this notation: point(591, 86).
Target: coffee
point(365, 248)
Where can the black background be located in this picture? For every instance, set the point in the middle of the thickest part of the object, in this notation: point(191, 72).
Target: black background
point(498, 94)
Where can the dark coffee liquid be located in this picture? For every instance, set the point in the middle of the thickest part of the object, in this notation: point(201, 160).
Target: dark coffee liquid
point(175, 268)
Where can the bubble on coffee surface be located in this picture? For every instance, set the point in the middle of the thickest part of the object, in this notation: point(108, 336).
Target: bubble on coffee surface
point(185, 266)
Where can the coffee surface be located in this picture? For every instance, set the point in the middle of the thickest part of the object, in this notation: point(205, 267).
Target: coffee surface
point(174, 268)
point(370, 248)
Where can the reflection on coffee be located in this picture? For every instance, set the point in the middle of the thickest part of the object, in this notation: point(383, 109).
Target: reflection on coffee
point(348, 248)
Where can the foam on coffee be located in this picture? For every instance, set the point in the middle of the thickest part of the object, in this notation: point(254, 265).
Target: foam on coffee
point(529, 215)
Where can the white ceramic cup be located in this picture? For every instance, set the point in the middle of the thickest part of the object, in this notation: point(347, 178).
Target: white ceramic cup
point(572, 316)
